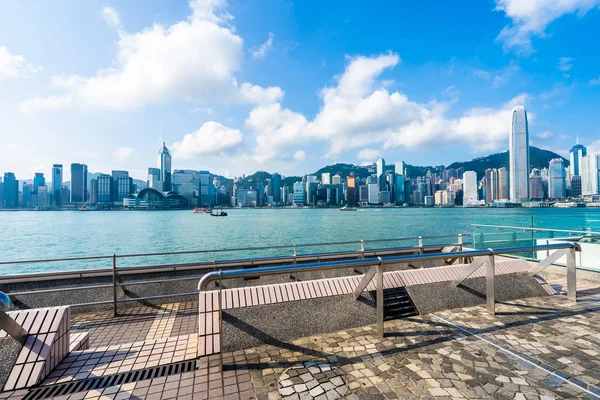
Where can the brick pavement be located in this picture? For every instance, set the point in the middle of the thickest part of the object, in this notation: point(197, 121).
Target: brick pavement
point(539, 348)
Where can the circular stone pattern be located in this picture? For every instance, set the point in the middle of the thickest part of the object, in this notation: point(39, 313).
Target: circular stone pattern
point(312, 380)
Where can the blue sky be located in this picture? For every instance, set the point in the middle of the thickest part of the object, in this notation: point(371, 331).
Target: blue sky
point(240, 86)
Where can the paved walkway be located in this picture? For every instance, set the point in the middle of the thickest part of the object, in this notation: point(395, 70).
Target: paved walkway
point(539, 348)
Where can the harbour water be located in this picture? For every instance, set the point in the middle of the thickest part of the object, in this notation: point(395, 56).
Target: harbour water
point(44, 235)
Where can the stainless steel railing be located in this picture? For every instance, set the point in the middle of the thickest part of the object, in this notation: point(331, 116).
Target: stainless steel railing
point(116, 271)
point(480, 257)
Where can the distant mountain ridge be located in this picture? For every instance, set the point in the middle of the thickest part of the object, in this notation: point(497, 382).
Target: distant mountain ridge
point(538, 158)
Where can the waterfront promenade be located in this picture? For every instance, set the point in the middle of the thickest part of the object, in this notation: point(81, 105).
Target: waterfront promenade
point(533, 348)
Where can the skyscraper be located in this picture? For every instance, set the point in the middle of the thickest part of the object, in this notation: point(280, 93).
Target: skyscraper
point(576, 153)
point(469, 187)
point(381, 179)
point(11, 190)
point(38, 180)
point(351, 193)
point(78, 183)
point(153, 179)
point(326, 178)
point(519, 156)
point(57, 178)
point(276, 183)
point(164, 164)
point(590, 174)
point(503, 193)
point(557, 179)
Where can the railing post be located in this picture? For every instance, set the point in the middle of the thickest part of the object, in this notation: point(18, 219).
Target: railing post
point(571, 275)
point(421, 250)
point(221, 321)
point(362, 248)
point(114, 272)
point(295, 253)
point(380, 297)
point(214, 256)
point(460, 247)
point(490, 284)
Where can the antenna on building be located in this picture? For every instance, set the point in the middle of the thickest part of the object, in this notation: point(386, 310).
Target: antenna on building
point(577, 139)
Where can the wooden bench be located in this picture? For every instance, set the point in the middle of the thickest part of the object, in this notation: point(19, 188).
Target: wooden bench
point(47, 343)
point(209, 323)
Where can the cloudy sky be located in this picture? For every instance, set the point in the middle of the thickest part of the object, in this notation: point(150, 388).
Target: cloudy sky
point(285, 86)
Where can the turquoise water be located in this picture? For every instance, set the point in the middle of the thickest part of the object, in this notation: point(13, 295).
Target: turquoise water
point(43, 235)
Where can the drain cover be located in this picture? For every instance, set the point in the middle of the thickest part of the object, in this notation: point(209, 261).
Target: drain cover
point(312, 379)
point(63, 389)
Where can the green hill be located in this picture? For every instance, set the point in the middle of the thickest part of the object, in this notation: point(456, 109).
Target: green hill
point(538, 158)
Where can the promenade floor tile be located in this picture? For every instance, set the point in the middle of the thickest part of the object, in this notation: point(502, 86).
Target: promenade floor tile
point(537, 348)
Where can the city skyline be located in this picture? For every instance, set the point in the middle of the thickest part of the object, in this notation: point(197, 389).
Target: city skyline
point(294, 90)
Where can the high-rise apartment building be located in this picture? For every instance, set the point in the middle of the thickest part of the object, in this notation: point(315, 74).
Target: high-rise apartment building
point(519, 156)
point(164, 164)
point(557, 186)
point(57, 180)
point(78, 183)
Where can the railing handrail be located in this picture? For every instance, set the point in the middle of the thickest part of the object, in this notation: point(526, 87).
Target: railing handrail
point(207, 264)
point(285, 269)
point(533, 229)
point(275, 247)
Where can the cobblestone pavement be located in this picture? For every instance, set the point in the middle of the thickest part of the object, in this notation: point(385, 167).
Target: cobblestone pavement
point(539, 348)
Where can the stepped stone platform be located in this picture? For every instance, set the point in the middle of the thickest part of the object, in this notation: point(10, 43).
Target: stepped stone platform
point(540, 347)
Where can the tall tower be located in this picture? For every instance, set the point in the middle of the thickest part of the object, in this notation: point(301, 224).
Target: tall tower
point(381, 179)
point(519, 156)
point(57, 179)
point(78, 183)
point(576, 153)
point(164, 164)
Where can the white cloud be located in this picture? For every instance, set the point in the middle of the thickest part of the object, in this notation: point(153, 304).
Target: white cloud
point(530, 18)
point(111, 16)
point(37, 104)
point(499, 77)
point(594, 82)
point(545, 135)
point(15, 65)
point(368, 155)
point(300, 155)
point(123, 153)
point(263, 48)
point(565, 63)
point(211, 139)
point(358, 112)
point(195, 60)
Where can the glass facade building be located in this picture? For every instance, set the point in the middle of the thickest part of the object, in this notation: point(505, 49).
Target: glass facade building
point(519, 156)
point(576, 153)
point(11, 190)
point(557, 186)
point(104, 189)
point(276, 184)
point(164, 164)
point(57, 179)
point(78, 183)
point(38, 180)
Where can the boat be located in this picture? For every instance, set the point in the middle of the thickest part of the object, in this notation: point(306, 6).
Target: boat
point(220, 214)
point(202, 210)
point(346, 208)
